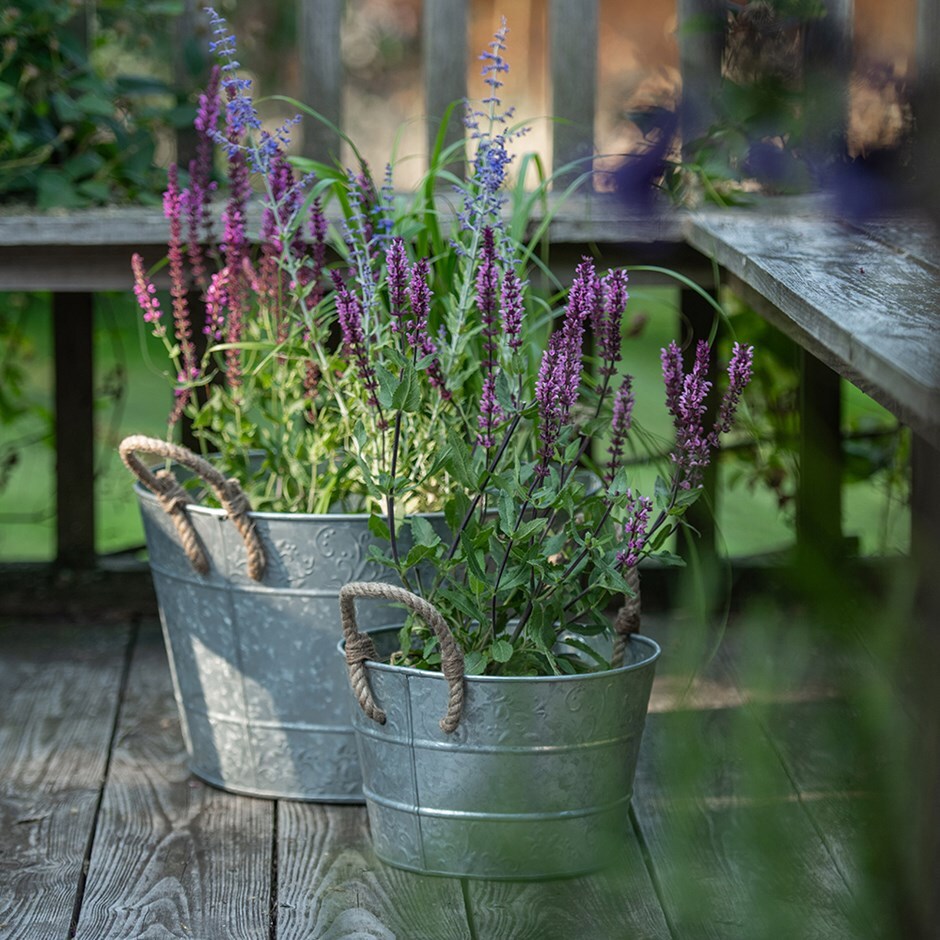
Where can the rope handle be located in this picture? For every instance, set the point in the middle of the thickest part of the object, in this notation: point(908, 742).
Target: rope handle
point(174, 499)
point(627, 620)
point(359, 647)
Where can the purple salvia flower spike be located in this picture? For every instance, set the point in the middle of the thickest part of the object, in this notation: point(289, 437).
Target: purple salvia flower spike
point(621, 421)
point(146, 293)
point(739, 374)
point(671, 358)
point(512, 307)
point(609, 320)
point(396, 261)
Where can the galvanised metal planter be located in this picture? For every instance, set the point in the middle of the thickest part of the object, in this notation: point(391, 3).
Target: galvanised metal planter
point(534, 781)
point(261, 692)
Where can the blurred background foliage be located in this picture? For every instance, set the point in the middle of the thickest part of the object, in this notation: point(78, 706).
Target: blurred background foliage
point(96, 98)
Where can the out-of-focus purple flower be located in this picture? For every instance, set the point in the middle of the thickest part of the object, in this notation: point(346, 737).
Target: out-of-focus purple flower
point(146, 293)
point(182, 327)
point(671, 358)
point(396, 263)
point(608, 320)
point(216, 303)
point(739, 374)
point(349, 316)
point(693, 447)
point(419, 293)
point(621, 421)
point(201, 186)
point(311, 384)
point(512, 306)
point(635, 530)
point(240, 110)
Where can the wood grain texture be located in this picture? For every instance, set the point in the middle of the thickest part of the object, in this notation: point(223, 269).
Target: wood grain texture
point(868, 313)
point(172, 856)
point(321, 75)
point(609, 905)
point(330, 885)
point(59, 690)
point(444, 59)
point(733, 849)
point(572, 31)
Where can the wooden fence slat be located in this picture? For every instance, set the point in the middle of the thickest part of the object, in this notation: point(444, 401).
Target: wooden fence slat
point(444, 58)
point(331, 885)
point(59, 690)
point(321, 74)
point(701, 34)
point(172, 857)
point(73, 327)
point(572, 30)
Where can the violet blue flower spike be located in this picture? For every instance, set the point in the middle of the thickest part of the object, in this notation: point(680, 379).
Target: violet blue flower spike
point(396, 263)
point(146, 293)
point(419, 293)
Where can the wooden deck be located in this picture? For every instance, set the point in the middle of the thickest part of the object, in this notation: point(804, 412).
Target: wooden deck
point(753, 815)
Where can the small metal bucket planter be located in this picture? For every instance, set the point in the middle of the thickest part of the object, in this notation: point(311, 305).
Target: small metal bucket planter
point(524, 778)
point(248, 607)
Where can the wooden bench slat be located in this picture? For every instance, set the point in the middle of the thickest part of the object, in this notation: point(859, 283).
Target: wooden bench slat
point(444, 60)
point(868, 313)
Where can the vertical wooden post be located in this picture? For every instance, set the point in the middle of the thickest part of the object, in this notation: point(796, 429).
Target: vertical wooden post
point(321, 75)
point(73, 321)
point(922, 913)
point(572, 30)
point(819, 495)
point(190, 68)
point(701, 34)
point(444, 57)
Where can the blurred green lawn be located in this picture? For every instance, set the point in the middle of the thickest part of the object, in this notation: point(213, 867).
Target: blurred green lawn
point(749, 520)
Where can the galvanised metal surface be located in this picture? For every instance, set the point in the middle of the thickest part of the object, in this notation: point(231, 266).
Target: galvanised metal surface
point(260, 689)
point(534, 783)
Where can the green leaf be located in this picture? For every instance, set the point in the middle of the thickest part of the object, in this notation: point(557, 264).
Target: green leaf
point(379, 527)
point(670, 559)
point(424, 533)
point(661, 493)
point(407, 397)
point(474, 663)
point(507, 512)
point(501, 651)
point(458, 464)
point(388, 385)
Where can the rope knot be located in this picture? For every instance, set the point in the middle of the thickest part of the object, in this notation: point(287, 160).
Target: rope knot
point(236, 502)
point(359, 648)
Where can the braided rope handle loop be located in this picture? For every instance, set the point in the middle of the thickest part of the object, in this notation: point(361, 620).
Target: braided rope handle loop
point(174, 499)
point(359, 647)
point(627, 620)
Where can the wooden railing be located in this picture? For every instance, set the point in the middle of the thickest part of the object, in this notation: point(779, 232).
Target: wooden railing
point(78, 254)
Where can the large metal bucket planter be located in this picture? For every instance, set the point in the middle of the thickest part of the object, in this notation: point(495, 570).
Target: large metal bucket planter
point(261, 693)
point(532, 779)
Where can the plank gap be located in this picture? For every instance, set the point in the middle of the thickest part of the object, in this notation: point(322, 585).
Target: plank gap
point(651, 871)
point(112, 737)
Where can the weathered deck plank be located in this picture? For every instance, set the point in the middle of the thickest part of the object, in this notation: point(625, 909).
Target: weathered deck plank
point(734, 852)
point(59, 693)
point(330, 885)
point(607, 906)
point(172, 856)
